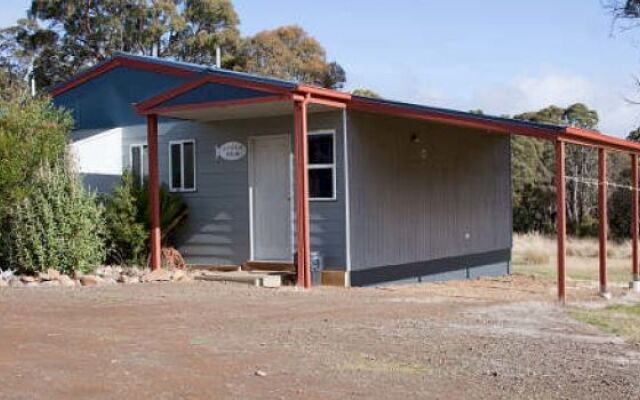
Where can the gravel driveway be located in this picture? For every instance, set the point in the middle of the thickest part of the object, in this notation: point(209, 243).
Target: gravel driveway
point(484, 339)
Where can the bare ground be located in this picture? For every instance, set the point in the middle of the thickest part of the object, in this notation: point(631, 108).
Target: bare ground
point(484, 339)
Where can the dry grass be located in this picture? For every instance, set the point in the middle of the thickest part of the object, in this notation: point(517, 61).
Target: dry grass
point(535, 254)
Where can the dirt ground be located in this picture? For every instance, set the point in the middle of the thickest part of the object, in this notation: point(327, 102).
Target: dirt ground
point(484, 339)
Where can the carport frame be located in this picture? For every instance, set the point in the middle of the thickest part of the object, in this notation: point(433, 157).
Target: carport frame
point(303, 95)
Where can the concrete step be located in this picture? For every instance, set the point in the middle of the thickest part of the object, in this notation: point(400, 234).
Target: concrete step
point(270, 266)
point(287, 278)
point(252, 279)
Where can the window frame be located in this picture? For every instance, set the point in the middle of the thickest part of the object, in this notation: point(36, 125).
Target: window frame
point(182, 189)
point(140, 179)
point(332, 166)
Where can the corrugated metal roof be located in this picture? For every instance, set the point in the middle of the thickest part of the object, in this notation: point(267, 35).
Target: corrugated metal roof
point(210, 69)
point(287, 84)
point(457, 113)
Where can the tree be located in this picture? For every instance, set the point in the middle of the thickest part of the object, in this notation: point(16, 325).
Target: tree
point(60, 37)
point(207, 24)
point(363, 92)
point(290, 53)
point(634, 135)
point(533, 162)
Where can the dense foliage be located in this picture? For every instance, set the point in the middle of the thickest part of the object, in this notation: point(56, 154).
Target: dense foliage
point(57, 225)
point(60, 37)
point(32, 133)
point(128, 220)
point(126, 233)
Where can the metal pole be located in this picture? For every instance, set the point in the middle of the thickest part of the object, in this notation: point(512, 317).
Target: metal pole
point(302, 195)
point(635, 269)
point(154, 190)
point(603, 220)
point(561, 223)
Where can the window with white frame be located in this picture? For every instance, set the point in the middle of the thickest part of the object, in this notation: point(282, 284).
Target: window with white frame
point(322, 165)
point(182, 165)
point(138, 154)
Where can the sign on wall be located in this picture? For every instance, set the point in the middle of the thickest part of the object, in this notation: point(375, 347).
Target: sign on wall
point(231, 151)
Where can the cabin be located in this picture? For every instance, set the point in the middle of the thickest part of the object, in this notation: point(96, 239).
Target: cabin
point(375, 191)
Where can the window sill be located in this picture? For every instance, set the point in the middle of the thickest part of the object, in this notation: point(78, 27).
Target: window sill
point(183, 190)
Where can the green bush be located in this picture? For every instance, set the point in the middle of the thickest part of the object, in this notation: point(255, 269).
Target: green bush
point(128, 220)
point(173, 210)
point(57, 225)
point(126, 233)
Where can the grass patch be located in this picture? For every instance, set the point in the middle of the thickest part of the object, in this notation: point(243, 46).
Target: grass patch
point(620, 319)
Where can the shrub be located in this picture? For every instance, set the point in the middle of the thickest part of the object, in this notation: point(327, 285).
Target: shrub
point(126, 233)
point(128, 220)
point(57, 225)
point(173, 210)
point(33, 133)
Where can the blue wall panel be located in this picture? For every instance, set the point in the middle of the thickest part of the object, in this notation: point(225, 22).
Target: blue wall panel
point(213, 92)
point(107, 101)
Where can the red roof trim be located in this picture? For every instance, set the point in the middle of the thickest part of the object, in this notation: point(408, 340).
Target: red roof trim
point(465, 122)
point(115, 62)
point(587, 137)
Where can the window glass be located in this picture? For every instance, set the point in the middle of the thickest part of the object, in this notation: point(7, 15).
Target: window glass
point(321, 149)
point(136, 162)
point(189, 166)
point(145, 163)
point(321, 183)
point(176, 167)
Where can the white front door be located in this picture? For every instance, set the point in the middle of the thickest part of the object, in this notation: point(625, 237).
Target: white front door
point(270, 200)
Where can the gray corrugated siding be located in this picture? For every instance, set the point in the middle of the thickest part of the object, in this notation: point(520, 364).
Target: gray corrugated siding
point(217, 230)
point(406, 208)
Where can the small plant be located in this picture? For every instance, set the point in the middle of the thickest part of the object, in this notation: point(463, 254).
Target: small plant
point(128, 220)
point(126, 233)
point(172, 210)
point(57, 225)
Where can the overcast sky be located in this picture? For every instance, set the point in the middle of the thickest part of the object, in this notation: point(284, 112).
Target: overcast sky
point(501, 56)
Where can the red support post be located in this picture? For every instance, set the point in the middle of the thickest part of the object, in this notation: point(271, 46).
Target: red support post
point(635, 269)
point(302, 194)
point(561, 219)
point(603, 220)
point(154, 190)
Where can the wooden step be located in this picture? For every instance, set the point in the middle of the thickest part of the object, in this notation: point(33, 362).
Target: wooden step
point(218, 268)
point(269, 266)
point(260, 280)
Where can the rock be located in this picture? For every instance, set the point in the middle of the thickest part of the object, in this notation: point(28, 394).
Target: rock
point(260, 373)
point(178, 275)
point(77, 275)
point(89, 280)
point(109, 281)
point(127, 280)
point(15, 283)
point(27, 278)
point(50, 275)
point(65, 281)
point(3, 283)
point(32, 284)
point(159, 275)
point(49, 284)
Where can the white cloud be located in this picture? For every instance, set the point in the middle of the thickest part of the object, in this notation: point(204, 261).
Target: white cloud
point(617, 115)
